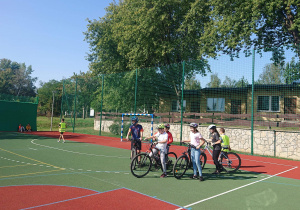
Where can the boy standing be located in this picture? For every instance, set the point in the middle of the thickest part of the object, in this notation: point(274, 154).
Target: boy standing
point(136, 131)
point(225, 141)
point(62, 129)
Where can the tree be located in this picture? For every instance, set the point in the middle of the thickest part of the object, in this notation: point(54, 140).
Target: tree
point(215, 81)
point(45, 93)
point(16, 79)
point(87, 85)
point(271, 74)
point(135, 34)
point(228, 82)
point(242, 82)
point(192, 84)
point(243, 24)
point(291, 71)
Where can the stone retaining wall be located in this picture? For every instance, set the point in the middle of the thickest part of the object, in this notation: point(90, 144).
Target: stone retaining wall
point(286, 142)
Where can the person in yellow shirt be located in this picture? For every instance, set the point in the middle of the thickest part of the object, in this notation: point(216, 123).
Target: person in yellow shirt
point(28, 128)
point(62, 128)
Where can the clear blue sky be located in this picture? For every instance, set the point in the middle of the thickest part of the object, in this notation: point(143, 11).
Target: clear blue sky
point(49, 36)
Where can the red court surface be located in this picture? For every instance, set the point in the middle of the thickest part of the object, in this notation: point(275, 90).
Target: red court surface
point(63, 197)
point(265, 165)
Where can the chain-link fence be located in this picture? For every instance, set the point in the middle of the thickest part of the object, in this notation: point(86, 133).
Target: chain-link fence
point(255, 99)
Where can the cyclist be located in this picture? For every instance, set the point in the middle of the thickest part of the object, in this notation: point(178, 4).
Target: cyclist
point(170, 136)
point(162, 139)
point(196, 141)
point(136, 131)
point(216, 143)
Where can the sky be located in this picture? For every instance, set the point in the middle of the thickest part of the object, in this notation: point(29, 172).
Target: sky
point(49, 36)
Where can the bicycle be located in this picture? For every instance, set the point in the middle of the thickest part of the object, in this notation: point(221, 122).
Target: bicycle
point(184, 162)
point(230, 161)
point(140, 168)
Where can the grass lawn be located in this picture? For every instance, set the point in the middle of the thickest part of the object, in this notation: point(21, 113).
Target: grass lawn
point(85, 126)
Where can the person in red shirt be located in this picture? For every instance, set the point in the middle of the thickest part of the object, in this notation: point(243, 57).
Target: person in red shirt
point(170, 136)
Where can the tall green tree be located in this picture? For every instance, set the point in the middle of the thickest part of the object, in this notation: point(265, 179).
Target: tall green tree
point(16, 78)
point(138, 34)
point(45, 93)
point(215, 81)
point(192, 84)
point(243, 24)
point(291, 71)
point(272, 74)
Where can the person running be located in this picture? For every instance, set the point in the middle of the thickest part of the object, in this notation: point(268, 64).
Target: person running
point(196, 141)
point(62, 128)
point(162, 139)
point(170, 136)
point(136, 131)
point(216, 143)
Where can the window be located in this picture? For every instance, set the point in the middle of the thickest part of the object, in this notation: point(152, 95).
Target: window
point(268, 103)
point(176, 106)
point(216, 104)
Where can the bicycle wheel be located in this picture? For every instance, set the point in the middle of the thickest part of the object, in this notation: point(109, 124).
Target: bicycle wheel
point(231, 163)
point(180, 166)
point(203, 159)
point(142, 167)
point(171, 158)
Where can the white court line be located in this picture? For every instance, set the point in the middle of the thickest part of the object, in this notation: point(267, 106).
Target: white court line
point(268, 162)
point(192, 204)
point(80, 153)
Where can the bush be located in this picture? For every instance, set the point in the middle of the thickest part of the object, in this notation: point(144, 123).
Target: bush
point(115, 128)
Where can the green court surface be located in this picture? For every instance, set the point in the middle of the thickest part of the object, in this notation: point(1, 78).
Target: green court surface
point(34, 160)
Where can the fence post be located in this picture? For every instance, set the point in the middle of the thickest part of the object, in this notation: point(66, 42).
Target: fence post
point(62, 100)
point(274, 143)
point(75, 104)
point(101, 104)
point(182, 88)
point(135, 89)
point(252, 100)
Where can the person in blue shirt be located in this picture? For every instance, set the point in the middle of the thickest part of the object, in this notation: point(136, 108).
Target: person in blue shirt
point(136, 131)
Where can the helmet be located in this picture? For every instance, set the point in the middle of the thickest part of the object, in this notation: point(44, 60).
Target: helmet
point(212, 127)
point(167, 125)
point(161, 126)
point(194, 125)
point(135, 119)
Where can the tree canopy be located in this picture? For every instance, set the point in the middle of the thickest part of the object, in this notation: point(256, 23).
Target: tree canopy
point(16, 79)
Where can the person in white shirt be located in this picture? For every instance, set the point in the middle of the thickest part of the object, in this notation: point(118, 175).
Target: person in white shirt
point(196, 141)
point(162, 138)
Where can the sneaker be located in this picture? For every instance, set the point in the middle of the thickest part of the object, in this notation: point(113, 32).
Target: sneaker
point(201, 178)
point(194, 177)
point(63, 141)
point(58, 141)
point(163, 175)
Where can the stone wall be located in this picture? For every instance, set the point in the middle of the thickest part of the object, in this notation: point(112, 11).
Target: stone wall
point(286, 142)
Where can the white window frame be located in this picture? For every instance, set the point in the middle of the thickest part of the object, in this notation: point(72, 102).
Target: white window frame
point(222, 107)
point(270, 104)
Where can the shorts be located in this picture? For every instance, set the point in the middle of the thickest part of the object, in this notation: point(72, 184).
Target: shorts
point(138, 144)
point(61, 132)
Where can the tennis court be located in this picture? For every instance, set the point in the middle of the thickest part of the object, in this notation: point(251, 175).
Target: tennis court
point(93, 172)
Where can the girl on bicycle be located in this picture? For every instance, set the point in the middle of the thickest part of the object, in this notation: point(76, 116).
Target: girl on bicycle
point(162, 139)
point(196, 141)
point(216, 143)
